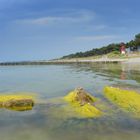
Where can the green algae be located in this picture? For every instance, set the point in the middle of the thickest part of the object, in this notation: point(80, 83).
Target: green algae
point(125, 99)
point(82, 103)
point(17, 102)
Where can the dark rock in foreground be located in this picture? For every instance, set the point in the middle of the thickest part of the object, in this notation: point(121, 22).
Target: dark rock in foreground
point(19, 105)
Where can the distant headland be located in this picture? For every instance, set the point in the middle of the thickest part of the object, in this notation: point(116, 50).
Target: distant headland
point(114, 53)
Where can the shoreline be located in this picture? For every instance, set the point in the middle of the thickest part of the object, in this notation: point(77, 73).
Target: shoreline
point(51, 62)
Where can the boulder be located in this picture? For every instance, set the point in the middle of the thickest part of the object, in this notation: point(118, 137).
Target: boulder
point(19, 105)
point(82, 102)
point(81, 96)
point(16, 102)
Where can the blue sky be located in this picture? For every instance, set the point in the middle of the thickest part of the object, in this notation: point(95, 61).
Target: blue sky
point(46, 29)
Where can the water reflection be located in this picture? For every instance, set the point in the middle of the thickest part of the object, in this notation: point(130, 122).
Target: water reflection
point(39, 125)
point(48, 121)
point(122, 71)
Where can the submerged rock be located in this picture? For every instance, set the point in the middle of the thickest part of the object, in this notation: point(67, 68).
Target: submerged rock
point(126, 99)
point(19, 105)
point(16, 102)
point(81, 96)
point(82, 102)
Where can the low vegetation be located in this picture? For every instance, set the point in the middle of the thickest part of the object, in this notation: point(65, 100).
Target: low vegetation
point(114, 47)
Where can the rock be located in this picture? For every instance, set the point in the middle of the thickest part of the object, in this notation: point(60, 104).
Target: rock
point(19, 103)
point(82, 103)
point(16, 102)
point(1, 104)
point(81, 96)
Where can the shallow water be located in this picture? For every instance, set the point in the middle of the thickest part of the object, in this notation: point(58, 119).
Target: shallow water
point(48, 121)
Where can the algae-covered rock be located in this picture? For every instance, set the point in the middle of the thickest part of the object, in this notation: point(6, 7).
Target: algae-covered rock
point(16, 102)
point(127, 100)
point(81, 96)
point(19, 105)
point(82, 102)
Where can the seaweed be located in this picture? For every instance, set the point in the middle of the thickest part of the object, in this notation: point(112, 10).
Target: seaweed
point(128, 100)
point(83, 103)
point(16, 102)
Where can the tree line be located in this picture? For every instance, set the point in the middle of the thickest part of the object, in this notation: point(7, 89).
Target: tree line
point(106, 49)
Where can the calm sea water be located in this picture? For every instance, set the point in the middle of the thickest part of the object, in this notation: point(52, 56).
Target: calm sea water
point(48, 122)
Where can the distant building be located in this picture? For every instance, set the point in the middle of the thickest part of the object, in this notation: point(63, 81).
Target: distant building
point(133, 49)
point(123, 48)
point(128, 50)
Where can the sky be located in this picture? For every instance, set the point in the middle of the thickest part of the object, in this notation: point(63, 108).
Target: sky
point(47, 29)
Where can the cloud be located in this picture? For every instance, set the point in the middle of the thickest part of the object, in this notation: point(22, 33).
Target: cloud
point(96, 27)
point(100, 27)
point(49, 20)
point(96, 38)
point(72, 16)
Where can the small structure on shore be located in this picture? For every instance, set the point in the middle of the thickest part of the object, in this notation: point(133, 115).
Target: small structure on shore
point(133, 49)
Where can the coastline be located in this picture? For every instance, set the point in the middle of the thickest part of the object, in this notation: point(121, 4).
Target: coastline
point(69, 61)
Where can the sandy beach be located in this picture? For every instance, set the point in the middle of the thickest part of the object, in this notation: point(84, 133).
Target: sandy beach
point(68, 61)
point(105, 59)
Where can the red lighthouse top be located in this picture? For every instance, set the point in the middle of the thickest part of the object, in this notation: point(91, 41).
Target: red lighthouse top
point(123, 47)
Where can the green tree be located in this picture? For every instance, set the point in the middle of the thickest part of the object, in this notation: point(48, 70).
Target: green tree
point(137, 40)
point(106, 49)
